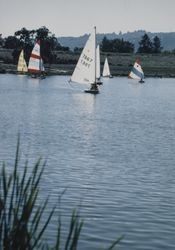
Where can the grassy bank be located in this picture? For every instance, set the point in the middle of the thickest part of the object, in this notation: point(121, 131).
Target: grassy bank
point(154, 65)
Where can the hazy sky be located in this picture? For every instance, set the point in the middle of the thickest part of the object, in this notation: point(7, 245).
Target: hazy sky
point(77, 17)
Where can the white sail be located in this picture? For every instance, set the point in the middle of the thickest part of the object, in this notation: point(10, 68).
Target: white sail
point(35, 59)
point(22, 66)
point(106, 70)
point(136, 72)
point(98, 62)
point(85, 70)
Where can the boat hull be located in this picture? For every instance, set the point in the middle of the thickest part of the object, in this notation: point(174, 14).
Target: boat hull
point(99, 83)
point(110, 76)
point(92, 91)
point(37, 76)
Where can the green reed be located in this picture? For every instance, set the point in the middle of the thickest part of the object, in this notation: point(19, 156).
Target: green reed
point(21, 219)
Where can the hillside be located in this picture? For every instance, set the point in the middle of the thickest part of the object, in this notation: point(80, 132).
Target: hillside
point(167, 39)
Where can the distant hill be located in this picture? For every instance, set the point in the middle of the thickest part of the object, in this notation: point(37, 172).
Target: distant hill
point(167, 39)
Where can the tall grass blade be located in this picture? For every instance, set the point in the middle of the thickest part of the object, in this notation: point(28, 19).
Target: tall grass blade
point(115, 243)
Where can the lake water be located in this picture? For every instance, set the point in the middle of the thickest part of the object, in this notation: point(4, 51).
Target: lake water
point(114, 153)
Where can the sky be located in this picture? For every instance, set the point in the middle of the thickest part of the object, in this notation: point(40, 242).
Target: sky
point(77, 17)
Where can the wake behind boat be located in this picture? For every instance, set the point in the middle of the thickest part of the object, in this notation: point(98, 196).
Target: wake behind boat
point(86, 69)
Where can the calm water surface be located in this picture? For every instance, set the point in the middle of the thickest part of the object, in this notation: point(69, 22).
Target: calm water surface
point(114, 153)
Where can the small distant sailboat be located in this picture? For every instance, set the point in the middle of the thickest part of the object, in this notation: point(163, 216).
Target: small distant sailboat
point(22, 66)
point(106, 70)
point(137, 72)
point(36, 66)
point(86, 68)
point(98, 76)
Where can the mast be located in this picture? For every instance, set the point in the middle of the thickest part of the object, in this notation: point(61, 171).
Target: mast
point(95, 58)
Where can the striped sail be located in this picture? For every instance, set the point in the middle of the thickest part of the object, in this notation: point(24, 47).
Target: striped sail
point(136, 72)
point(85, 70)
point(35, 59)
point(106, 70)
point(98, 62)
point(22, 66)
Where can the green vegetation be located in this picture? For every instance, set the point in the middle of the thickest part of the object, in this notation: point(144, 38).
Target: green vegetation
point(61, 60)
point(116, 45)
point(21, 217)
point(154, 65)
point(147, 46)
point(25, 39)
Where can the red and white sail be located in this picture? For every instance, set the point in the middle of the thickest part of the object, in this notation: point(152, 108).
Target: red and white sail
point(35, 60)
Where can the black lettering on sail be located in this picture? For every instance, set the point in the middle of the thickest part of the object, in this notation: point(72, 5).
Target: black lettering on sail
point(86, 58)
point(84, 63)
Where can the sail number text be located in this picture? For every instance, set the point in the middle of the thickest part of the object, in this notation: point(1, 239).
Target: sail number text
point(86, 61)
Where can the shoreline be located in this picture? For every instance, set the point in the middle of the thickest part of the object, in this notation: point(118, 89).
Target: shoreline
point(153, 65)
point(68, 70)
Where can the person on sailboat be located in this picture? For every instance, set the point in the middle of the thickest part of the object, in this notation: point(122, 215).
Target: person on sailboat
point(94, 86)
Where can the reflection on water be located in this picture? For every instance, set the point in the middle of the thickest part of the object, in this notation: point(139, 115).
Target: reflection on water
point(114, 153)
point(85, 103)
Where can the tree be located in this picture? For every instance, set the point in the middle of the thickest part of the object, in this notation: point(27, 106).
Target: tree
point(25, 36)
point(78, 50)
point(106, 45)
point(145, 45)
point(49, 43)
point(116, 45)
point(26, 39)
point(157, 45)
point(11, 42)
point(1, 40)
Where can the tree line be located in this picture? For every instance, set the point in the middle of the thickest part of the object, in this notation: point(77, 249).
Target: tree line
point(121, 46)
point(25, 39)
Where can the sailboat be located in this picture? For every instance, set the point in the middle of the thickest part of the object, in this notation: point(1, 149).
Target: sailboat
point(106, 70)
point(137, 72)
point(36, 66)
point(86, 68)
point(22, 66)
point(99, 82)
